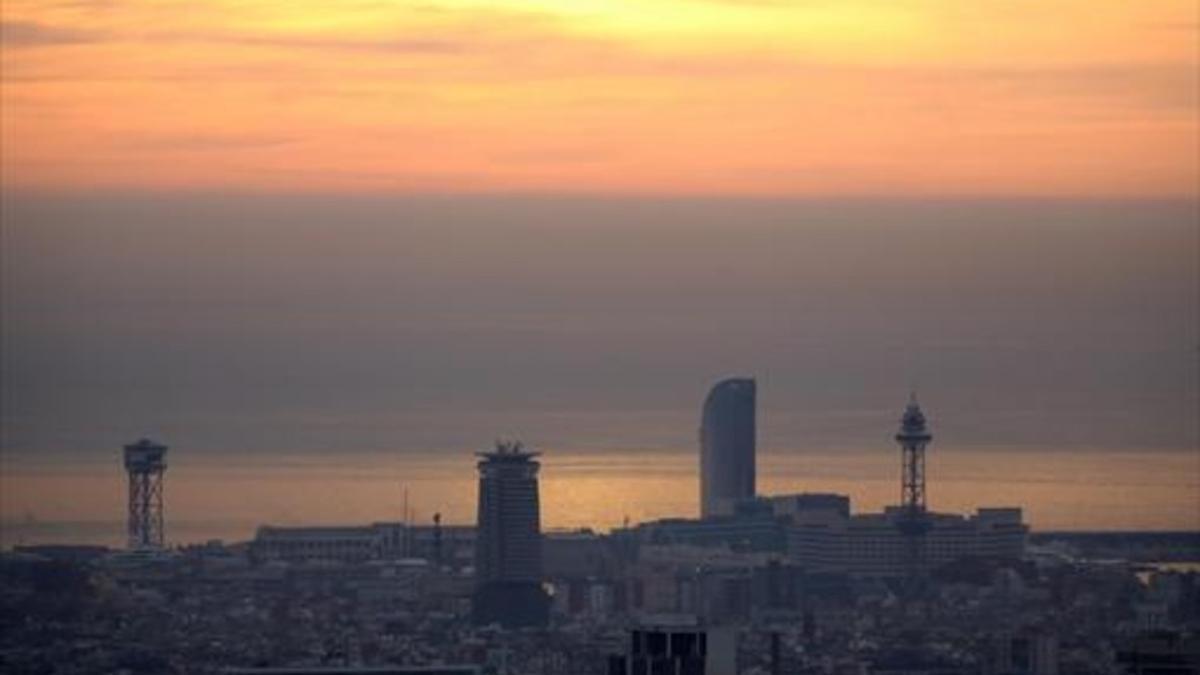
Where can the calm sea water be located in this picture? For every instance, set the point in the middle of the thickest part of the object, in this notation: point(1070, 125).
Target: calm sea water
point(227, 498)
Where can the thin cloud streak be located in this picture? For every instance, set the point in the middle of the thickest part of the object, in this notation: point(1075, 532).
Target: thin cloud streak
point(32, 34)
point(206, 142)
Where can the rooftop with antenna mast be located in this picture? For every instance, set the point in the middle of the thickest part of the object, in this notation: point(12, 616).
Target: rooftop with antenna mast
point(508, 450)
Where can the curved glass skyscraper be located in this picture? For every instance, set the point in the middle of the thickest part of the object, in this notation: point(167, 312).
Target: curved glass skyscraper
point(727, 436)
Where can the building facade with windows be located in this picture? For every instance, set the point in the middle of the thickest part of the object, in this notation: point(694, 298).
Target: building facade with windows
point(508, 542)
point(874, 545)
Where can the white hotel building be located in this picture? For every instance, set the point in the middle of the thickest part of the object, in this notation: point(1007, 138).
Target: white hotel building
point(872, 544)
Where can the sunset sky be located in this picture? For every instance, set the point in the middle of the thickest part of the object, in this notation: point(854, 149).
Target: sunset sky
point(1077, 98)
point(373, 233)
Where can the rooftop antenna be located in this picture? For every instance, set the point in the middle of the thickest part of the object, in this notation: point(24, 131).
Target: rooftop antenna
point(437, 538)
point(407, 527)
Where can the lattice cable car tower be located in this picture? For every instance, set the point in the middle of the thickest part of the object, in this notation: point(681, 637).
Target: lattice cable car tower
point(145, 462)
point(914, 521)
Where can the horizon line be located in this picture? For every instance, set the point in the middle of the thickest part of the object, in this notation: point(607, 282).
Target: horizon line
point(846, 198)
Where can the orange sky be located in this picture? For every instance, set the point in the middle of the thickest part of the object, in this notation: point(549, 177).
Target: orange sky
point(821, 97)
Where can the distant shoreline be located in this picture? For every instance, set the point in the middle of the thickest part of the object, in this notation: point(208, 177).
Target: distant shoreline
point(1168, 546)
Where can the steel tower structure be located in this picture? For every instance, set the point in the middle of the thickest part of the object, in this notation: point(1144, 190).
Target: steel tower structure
point(145, 462)
point(913, 522)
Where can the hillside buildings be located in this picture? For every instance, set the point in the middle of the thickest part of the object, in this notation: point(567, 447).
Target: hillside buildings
point(672, 645)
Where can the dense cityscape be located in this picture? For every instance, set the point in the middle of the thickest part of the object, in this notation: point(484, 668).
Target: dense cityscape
point(599, 337)
point(775, 584)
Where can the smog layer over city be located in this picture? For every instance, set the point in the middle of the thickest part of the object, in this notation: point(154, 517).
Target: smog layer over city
point(687, 337)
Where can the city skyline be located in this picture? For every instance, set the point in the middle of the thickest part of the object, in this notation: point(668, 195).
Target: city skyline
point(804, 477)
point(684, 260)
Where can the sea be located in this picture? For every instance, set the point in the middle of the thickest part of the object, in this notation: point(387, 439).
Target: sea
point(227, 498)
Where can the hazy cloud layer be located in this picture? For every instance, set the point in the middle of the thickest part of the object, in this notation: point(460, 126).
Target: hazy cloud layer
point(312, 324)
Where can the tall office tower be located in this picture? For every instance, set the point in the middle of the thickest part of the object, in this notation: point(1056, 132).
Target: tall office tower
point(913, 437)
point(508, 545)
point(727, 446)
point(145, 462)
